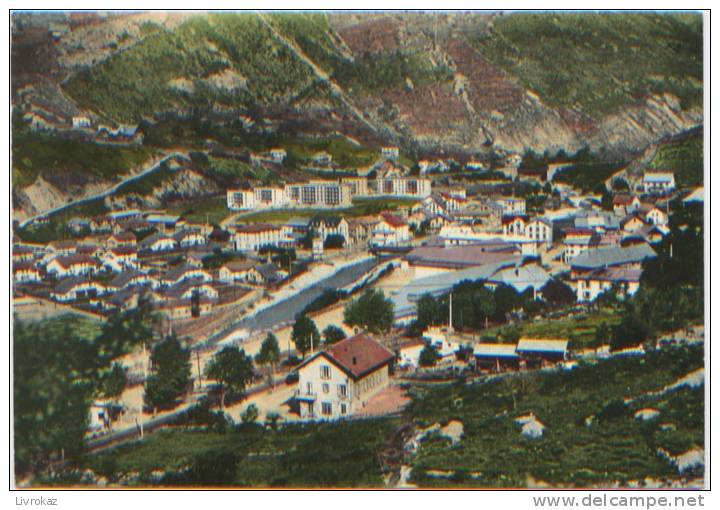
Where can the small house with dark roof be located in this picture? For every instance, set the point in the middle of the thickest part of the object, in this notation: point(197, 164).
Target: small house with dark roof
point(338, 381)
point(73, 265)
point(25, 272)
point(391, 230)
point(75, 288)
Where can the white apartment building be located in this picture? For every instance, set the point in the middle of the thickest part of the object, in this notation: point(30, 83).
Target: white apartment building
point(402, 187)
point(318, 194)
point(253, 237)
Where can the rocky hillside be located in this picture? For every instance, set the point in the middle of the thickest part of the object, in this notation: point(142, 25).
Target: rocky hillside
point(453, 81)
point(437, 84)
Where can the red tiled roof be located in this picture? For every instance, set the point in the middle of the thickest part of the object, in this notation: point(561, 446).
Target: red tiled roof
point(360, 355)
point(509, 219)
point(124, 250)
point(623, 199)
point(357, 356)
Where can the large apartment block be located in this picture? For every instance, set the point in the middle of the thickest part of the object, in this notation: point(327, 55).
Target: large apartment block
point(401, 187)
point(318, 194)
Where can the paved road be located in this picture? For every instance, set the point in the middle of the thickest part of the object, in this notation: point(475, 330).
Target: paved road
point(154, 166)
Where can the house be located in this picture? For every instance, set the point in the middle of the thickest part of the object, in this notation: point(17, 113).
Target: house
point(392, 153)
point(158, 242)
point(539, 351)
point(186, 238)
point(619, 256)
point(299, 225)
point(577, 241)
point(81, 121)
point(625, 203)
point(278, 155)
point(599, 221)
point(439, 338)
point(632, 223)
point(121, 239)
point(658, 182)
point(651, 214)
point(322, 158)
point(265, 274)
point(496, 357)
point(338, 381)
point(540, 230)
point(391, 230)
point(241, 200)
point(186, 308)
point(520, 277)
point(434, 205)
point(253, 237)
point(120, 258)
point(73, 265)
point(235, 271)
point(270, 198)
point(408, 354)
point(131, 278)
point(25, 272)
point(165, 222)
point(510, 205)
point(22, 253)
point(331, 226)
point(591, 284)
point(189, 289)
point(514, 225)
point(76, 288)
point(63, 247)
point(184, 272)
point(452, 201)
point(696, 195)
point(360, 229)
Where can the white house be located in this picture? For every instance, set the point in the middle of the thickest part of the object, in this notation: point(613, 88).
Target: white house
point(391, 230)
point(235, 271)
point(514, 225)
point(341, 379)
point(540, 230)
point(187, 238)
point(76, 287)
point(511, 205)
point(332, 225)
point(390, 153)
point(24, 272)
point(577, 241)
point(591, 285)
point(624, 203)
point(409, 353)
point(278, 155)
point(253, 237)
point(81, 121)
point(73, 265)
point(658, 181)
point(120, 258)
point(158, 242)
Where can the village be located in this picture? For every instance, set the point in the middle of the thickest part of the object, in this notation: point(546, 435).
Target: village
point(208, 282)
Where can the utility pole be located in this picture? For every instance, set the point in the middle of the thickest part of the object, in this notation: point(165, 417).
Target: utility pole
point(197, 357)
point(450, 326)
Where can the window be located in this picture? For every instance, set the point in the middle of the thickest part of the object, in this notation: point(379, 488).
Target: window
point(343, 409)
point(342, 390)
point(326, 388)
point(326, 408)
point(324, 372)
point(309, 388)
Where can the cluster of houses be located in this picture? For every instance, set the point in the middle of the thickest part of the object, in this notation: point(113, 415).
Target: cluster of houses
point(111, 271)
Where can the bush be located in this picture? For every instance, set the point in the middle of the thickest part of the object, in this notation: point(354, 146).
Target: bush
point(334, 241)
point(250, 415)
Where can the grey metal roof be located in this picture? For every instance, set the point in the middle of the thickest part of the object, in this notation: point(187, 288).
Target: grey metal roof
point(405, 298)
point(522, 278)
point(614, 256)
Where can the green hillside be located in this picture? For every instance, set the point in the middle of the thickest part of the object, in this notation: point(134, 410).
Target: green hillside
point(140, 80)
point(599, 63)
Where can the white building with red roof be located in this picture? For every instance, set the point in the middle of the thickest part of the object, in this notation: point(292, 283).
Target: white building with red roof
point(338, 381)
point(391, 230)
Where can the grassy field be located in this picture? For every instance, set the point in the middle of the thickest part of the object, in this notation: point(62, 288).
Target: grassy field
point(60, 160)
point(684, 157)
point(56, 228)
point(616, 447)
point(171, 69)
point(213, 209)
point(580, 330)
point(599, 63)
point(295, 456)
